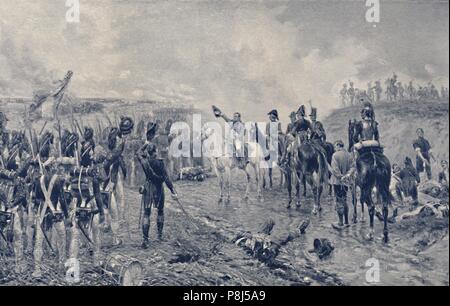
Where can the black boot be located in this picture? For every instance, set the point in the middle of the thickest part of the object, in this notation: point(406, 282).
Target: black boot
point(346, 217)
point(340, 224)
point(145, 231)
point(379, 216)
point(160, 226)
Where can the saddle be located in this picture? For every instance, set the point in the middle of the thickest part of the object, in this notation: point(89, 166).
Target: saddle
point(241, 161)
point(370, 150)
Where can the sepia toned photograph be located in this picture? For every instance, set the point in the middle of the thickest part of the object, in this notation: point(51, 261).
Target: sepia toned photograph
point(242, 144)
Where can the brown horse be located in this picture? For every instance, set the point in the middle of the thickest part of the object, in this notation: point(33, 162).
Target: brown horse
point(308, 166)
point(373, 171)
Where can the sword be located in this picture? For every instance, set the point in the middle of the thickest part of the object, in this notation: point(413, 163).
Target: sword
point(187, 215)
point(8, 245)
point(46, 239)
point(140, 211)
point(84, 233)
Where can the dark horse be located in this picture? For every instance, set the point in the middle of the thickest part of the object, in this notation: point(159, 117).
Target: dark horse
point(373, 171)
point(309, 166)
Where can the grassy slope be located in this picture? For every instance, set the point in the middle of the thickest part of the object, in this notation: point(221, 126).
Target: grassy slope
point(397, 125)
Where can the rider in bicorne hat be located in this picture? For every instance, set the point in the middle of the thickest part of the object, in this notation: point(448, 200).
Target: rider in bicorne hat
point(317, 130)
point(290, 126)
point(317, 135)
point(273, 117)
point(238, 131)
point(301, 125)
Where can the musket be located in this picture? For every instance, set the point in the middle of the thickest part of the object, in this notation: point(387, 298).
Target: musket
point(78, 127)
point(43, 127)
point(108, 119)
point(59, 138)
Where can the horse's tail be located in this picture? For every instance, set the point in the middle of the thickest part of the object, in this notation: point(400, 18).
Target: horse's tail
point(323, 169)
point(383, 177)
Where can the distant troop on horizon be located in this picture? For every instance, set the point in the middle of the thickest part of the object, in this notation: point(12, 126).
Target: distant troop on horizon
point(393, 91)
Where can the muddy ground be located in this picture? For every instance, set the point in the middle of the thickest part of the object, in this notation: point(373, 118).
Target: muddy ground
point(416, 255)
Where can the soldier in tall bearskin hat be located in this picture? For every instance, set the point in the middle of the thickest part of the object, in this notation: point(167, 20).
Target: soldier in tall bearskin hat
point(116, 171)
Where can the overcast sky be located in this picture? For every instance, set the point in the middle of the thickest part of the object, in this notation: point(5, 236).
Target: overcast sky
point(248, 56)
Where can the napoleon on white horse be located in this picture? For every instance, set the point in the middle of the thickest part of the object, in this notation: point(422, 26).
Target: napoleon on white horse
point(223, 161)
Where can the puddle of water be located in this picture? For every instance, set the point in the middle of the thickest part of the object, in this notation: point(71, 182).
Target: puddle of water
point(398, 264)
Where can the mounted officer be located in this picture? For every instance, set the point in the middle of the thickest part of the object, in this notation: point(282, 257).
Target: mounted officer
point(273, 119)
point(318, 136)
point(298, 132)
point(302, 125)
point(290, 126)
point(317, 130)
point(237, 134)
point(365, 133)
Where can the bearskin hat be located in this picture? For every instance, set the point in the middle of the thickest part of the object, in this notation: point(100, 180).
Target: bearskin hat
point(152, 127)
point(273, 112)
point(88, 133)
point(126, 125)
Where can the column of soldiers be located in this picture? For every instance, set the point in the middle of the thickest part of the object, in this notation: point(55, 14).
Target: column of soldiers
point(395, 91)
point(59, 193)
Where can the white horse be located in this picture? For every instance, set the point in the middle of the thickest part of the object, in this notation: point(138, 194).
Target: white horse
point(223, 163)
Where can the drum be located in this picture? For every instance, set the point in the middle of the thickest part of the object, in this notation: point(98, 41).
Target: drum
point(125, 270)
